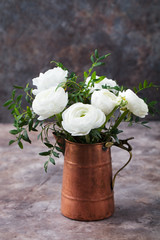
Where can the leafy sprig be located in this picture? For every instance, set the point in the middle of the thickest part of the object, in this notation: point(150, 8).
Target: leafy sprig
point(54, 149)
point(25, 120)
point(144, 85)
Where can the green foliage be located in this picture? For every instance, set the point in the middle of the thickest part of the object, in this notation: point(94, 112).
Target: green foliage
point(59, 64)
point(45, 153)
point(144, 85)
point(25, 137)
point(49, 145)
point(11, 142)
point(20, 144)
point(59, 149)
point(152, 108)
point(46, 166)
point(52, 160)
point(25, 120)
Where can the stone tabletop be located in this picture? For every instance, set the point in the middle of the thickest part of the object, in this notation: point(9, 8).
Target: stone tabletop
point(30, 198)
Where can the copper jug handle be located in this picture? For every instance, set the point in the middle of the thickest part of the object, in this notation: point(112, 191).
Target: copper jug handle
point(123, 144)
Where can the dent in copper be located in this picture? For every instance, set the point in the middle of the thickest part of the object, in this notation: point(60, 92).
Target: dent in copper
point(87, 182)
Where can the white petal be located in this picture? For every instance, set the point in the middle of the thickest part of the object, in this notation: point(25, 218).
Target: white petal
point(104, 100)
point(50, 78)
point(134, 104)
point(79, 119)
point(50, 102)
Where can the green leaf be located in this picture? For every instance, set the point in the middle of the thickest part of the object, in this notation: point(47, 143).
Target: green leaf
point(145, 84)
point(49, 145)
point(7, 102)
point(39, 135)
point(16, 111)
point(56, 154)
point(27, 98)
point(18, 98)
point(140, 86)
point(11, 106)
point(20, 144)
point(30, 124)
point(93, 76)
point(59, 149)
point(85, 75)
point(11, 142)
point(151, 84)
point(146, 126)
point(99, 64)
point(62, 84)
point(46, 166)
point(96, 53)
point(81, 99)
point(18, 87)
point(34, 129)
point(135, 89)
point(92, 59)
point(29, 112)
point(98, 80)
point(121, 89)
point(52, 161)
point(145, 122)
point(27, 89)
point(152, 103)
point(107, 55)
point(44, 153)
point(20, 118)
point(15, 131)
point(102, 57)
point(58, 64)
point(116, 138)
point(96, 134)
point(36, 124)
point(25, 137)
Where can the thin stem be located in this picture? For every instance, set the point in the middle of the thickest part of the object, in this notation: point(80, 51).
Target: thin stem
point(146, 87)
point(90, 70)
point(29, 95)
point(59, 119)
point(87, 137)
point(110, 114)
point(119, 120)
point(74, 83)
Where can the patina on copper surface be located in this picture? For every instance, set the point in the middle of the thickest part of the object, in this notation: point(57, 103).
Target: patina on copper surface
point(87, 192)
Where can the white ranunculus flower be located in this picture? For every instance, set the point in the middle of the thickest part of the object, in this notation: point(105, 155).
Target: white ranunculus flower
point(49, 102)
point(79, 119)
point(134, 104)
point(50, 78)
point(105, 81)
point(104, 100)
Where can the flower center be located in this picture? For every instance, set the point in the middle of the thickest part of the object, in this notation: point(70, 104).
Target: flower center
point(83, 113)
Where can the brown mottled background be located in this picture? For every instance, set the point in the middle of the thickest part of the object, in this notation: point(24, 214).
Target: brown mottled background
point(32, 33)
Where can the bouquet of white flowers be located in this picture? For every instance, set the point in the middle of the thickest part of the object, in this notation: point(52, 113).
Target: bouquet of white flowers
point(87, 111)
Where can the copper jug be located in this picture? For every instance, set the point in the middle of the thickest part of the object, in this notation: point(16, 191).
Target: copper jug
point(87, 188)
point(87, 192)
